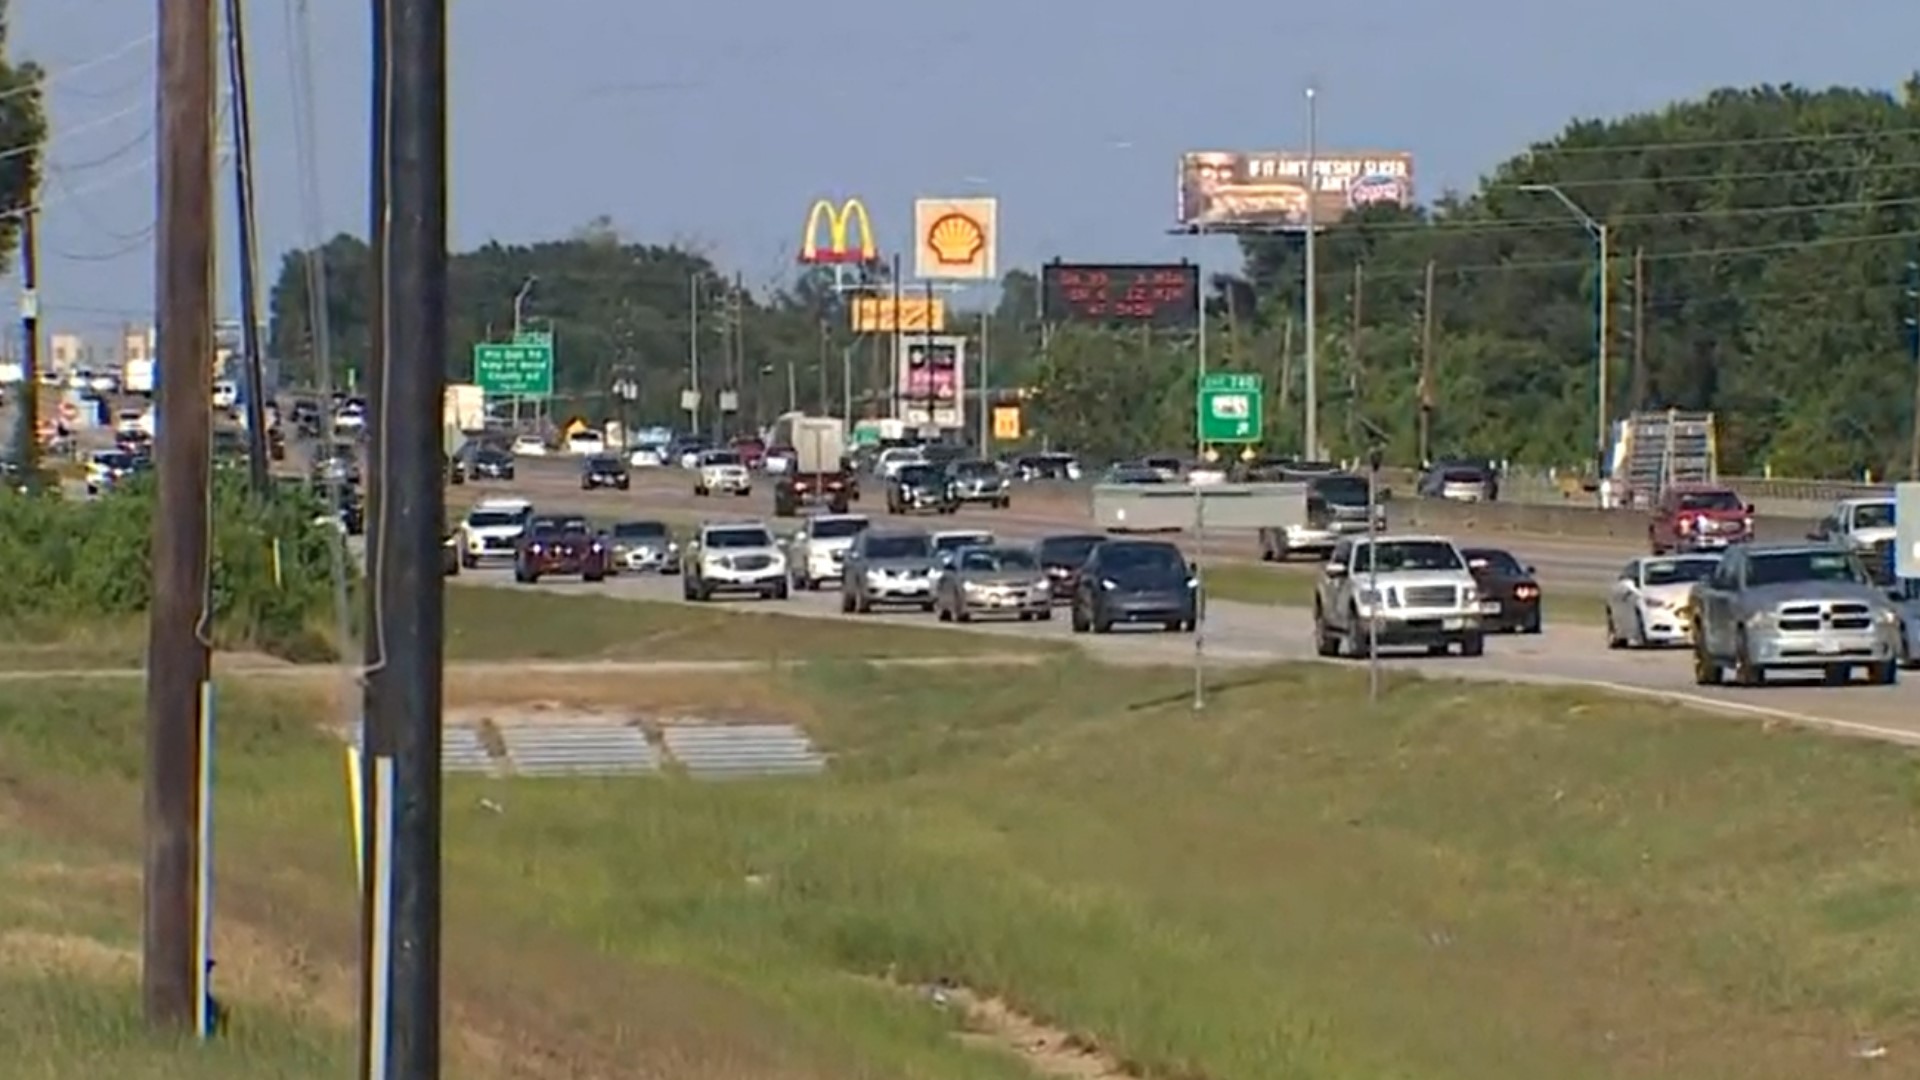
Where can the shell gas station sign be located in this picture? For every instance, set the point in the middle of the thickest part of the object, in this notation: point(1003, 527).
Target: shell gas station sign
point(956, 239)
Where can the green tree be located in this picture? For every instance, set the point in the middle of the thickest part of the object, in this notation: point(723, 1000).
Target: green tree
point(23, 133)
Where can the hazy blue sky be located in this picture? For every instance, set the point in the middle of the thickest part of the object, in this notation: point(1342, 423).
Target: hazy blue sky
point(718, 122)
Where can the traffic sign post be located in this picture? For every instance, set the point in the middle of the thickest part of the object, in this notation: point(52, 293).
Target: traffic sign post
point(521, 369)
point(1231, 408)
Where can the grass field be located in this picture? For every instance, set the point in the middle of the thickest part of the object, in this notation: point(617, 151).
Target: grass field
point(1471, 882)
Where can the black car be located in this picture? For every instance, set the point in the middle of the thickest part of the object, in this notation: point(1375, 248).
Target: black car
point(1063, 556)
point(604, 470)
point(490, 463)
point(1509, 592)
point(456, 468)
point(351, 509)
point(920, 487)
point(306, 417)
point(1136, 581)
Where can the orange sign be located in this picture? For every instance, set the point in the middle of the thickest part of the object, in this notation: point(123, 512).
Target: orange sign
point(839, 250)
point(909, 314)
point(956, 239)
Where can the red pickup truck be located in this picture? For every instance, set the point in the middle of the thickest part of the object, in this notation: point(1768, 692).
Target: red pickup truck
point(1699, 517)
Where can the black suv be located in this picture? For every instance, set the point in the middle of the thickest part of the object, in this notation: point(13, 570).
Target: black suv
point(920, 487)
point(1136, 581)
point(604, 470)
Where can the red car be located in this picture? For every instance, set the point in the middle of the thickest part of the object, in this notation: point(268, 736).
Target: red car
point(752, 451)
point(562, 546)
point(1699, 517)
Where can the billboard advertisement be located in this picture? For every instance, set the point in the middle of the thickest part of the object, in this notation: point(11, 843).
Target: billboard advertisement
point(1163, 296)
point(1226, 190)
point(846, 230)
point(886, 314)
point(956, 239)
point(933, 381)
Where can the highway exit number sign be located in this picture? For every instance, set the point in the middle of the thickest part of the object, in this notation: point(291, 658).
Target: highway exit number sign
point(1230, 408)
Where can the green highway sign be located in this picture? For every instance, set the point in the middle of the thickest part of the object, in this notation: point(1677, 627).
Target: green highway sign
point(1230, 407)
point(522, 369)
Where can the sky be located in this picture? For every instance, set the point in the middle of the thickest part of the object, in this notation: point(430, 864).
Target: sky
point(715, 125)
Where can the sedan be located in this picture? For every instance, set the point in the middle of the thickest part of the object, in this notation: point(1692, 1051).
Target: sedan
point(1650, 599)
point(1509, 592)
point(1136, 581)
point(994, 581)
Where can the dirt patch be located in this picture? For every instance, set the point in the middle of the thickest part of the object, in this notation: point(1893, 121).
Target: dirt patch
point(993, 1023)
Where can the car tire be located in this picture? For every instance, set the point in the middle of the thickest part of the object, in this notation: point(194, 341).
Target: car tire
point(1473, 645)
point(1101, 622)
point(1078, 619)
point(927, 606)
point(469, 562)
point(1745, 671)
point(686, 590)
point(941, 613)
point(1532, 625)
point(1045, 615)
point(1325, 644)
point(846, 602)
point(624, 485)
point(1886, 673)
point(1706, 669)
point(962, 615)
point(594, 578)
point(1353, 640)
point(1615, 640)
point(744, 492)
point(780, 591)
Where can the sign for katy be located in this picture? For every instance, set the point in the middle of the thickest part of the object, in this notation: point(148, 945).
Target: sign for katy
point(1229, 190)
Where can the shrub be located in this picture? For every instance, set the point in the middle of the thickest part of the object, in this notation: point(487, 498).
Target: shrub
point(70, 561)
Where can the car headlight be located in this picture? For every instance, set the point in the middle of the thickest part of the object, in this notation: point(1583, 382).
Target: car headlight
point(972, 588)
point(1762, 619)
point(1470, 594)
point(1109, 584)
point(1889, 617)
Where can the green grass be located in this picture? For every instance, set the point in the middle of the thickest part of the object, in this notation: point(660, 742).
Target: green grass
point(1464, 881)
point(1290, 586)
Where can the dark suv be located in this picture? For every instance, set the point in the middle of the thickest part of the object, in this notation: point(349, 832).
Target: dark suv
point(1136, 581)
point(604, 470)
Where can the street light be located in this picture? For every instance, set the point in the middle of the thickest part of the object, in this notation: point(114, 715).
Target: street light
point(520, 304)
point(1598, 230)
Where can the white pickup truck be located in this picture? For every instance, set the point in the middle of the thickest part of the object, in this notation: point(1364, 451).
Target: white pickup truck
point(1397, 591)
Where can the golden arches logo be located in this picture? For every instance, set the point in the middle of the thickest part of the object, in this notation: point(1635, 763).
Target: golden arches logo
point(840, 222)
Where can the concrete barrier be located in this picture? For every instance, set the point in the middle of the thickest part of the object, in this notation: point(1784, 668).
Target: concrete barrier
point(1624, 527)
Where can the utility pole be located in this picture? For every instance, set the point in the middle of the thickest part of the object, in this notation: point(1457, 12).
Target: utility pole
point(1426, 369)
point(1637, 392)
point(253, 372)
point(1913, 356)
point(405, 600)
point(1354, 351)
point(693, 351)
point(177, 652)
point(986, 377)
point(826, 349)
point(1312, 451)
point(376, 908)
point(26, 430)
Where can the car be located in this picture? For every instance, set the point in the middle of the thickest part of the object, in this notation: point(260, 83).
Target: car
point(1136, 581)
point(1171, 469)
point(1062, 555)
point(1337, 507)
point(562, 546)
point(106, 468)
point(454, 468)
point(588, 443)
point(604, 470)
point(948, 542)
point(685, 452)
point(492, 530)
point(1133, 473)
point(1905, 594)
point(1460, 481)
point(450, 553)
point(1509, 591)
point(529, 446)
point(1032, 467)
point(490, 463)
point(1858, 523)
point(919, 487)
point(972, 480)
point(1651, 601)
point(996, 580)
point(1699, 517)
point(643, 546)
point(1394, 591)
point(647, 457)
point(894, 458)
point(818, 550)
point(887, 567)
point(722, 472)
point(734, 557)
point(1787, 607)
point(751, 450)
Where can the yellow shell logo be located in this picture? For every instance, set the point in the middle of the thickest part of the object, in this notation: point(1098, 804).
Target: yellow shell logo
point(956, 239)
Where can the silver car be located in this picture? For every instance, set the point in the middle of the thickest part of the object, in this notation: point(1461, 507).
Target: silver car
point(641, 547)
point(887, 567)
point(1905, 595)
point(994, 581)
point(1784, 608)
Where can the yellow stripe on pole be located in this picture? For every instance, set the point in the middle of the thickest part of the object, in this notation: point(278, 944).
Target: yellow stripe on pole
point(356, 813)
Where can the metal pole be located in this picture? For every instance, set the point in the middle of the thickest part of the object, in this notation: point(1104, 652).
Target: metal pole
point(1600, 403)
point(1373, 577)
point(899, 344)
point(846, 382)
point(177, 651)
point(1313, 276)
point(26, 430)
point(1426, 369)
point(252, 370)
point(1200, 521)
point(986, 380)
point(693, 351)
point(405, 685)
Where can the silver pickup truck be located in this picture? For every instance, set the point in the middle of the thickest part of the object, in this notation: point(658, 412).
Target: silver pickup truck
point(1805, 607)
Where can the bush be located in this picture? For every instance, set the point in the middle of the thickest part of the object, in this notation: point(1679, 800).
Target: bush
point(70, 561)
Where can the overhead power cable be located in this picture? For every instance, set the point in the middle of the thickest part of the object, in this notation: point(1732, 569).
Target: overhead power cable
point(54, 77)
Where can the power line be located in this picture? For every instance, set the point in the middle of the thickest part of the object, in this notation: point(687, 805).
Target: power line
point(1702, 178)
point(105, 159)
point(133, 244)
point(1711, 144)
point(69, 132)
point(39, 85)
point(1652, 256)
point(117, 176)
point(1561, 222)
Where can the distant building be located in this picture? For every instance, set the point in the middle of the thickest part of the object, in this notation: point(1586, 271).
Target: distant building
point(68, 352)
point(137, 343)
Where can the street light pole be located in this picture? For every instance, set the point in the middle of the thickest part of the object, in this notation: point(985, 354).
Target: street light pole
point(519, 326)
point(1602, 256)
point(1313, 277)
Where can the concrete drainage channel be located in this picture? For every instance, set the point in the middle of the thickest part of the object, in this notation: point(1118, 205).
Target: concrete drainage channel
point(537, 745)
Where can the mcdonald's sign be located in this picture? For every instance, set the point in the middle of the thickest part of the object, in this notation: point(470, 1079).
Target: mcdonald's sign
point(839, 249)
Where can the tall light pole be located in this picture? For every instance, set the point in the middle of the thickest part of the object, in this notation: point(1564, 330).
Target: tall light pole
point(1598, 230)
point(520, 305)
point(1313, 275)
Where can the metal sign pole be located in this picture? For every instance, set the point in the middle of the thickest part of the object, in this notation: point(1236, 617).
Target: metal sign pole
point(1373, 577)
point(1199, 522)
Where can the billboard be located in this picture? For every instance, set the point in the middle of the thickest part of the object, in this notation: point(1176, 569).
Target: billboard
point(1164, 296)
point(956, 239)
point(886, 315)
point(840, 248)
point(1229, 190)
point(932, 381)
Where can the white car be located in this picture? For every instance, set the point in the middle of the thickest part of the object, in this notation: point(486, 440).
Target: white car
point(133, 422)
point(647, 457)
point(586, 444)
point(1397, 591)
point(529, 446)
point(734, 557)
point(948, 541)
point(492, 530)
point(1651, 599)
point(723, 473)
point(893, 459)
point(818, 551)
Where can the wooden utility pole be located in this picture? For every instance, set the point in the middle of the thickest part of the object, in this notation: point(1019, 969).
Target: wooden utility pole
point(1637, 393)
point(405, 596)
point(177, 651)
point(1286, 365)
point(26, 430)
point(1354, 358)
point(1426, 369)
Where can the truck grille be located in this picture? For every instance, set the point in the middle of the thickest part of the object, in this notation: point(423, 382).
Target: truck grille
point(1425, 596)
point(751, 562)
point(1836, 615)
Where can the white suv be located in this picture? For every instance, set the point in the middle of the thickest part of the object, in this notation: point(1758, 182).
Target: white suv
point(722, 471)
point(734, 557)
point(1400, 591)
point(819, 550)
point(492, 530)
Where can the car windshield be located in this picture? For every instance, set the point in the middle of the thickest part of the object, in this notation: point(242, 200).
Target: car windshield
point(1494, 561)
point(111, 460)
point(1341, 490)
point(998, 560)
point(1397, 555)
point(739, 538)
point(974, 468)
point(492, 456)
point(639, 530)
point(838, 528)
point(1786, 567)
point(1676, 571)
point(603, 463)
point(956, 541)
point(1462, 476)
point(1134, 475)
point(585, 437)
point(1142, 559)
point(1072, 550)
point(898, 547)
point(720, 457)
point(919, 474)
point(493, 519)
point(1873, 516)
point(1709, 500)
